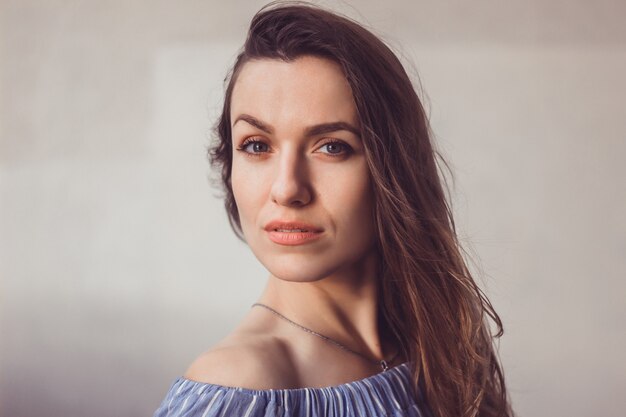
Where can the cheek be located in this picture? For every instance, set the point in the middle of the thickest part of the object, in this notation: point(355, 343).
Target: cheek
point(248, 193)
point(350, 198)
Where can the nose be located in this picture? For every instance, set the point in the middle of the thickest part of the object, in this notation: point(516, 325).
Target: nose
point(290, 186)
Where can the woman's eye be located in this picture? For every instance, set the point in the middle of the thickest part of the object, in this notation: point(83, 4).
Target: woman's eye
point(254, 147)
point(336, 148)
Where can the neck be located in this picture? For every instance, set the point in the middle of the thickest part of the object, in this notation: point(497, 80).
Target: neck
point(343, 306)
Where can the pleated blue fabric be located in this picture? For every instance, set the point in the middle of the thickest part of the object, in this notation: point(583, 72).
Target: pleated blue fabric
point(385, 394)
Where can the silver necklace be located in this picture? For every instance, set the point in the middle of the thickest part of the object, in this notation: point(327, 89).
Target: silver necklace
point(383, 363)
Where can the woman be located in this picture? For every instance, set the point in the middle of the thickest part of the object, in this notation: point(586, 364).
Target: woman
point(331, 179)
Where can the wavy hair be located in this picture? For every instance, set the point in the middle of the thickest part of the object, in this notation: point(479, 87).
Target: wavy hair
point(428, 298)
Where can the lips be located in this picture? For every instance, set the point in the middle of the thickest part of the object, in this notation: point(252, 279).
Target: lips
point(292, 227)
point(294, 233)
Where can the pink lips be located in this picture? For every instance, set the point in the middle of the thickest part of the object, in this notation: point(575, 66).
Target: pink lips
point(306, 233)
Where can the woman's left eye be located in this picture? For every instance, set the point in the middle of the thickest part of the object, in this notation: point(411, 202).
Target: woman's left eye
point(336, 148)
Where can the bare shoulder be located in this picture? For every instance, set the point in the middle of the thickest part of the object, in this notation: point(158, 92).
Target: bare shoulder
point(253, 363)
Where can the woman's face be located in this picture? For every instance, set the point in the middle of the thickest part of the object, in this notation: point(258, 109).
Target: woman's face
point(298, 157)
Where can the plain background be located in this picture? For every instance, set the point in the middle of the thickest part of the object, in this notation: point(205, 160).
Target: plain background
point(117, 263)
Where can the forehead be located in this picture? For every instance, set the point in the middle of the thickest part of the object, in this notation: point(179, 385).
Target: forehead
point(307, 90)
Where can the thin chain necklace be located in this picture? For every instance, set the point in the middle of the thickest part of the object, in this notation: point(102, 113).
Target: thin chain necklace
point(383, 363)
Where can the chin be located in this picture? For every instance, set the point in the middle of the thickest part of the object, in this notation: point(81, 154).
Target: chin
point(296, 270)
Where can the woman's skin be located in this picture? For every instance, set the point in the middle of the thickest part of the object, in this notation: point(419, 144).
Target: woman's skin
point(329, 284)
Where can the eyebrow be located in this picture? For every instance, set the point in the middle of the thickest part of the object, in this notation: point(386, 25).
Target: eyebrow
point(314, 130)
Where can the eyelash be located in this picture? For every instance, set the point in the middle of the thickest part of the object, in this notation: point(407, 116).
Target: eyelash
point(347, 148)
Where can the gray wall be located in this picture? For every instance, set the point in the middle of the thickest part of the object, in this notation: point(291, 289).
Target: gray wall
point(117, 265)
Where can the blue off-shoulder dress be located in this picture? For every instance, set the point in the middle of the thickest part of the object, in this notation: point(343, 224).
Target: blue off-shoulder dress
point(386, 394)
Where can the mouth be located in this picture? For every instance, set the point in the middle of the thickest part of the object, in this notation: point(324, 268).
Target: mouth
point(284, 226)
point(293, 237)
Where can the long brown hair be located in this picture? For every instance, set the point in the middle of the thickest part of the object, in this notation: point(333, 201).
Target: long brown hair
point(429, 300)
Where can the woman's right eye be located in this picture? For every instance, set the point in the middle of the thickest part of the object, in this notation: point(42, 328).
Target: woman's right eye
point(253, 147)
